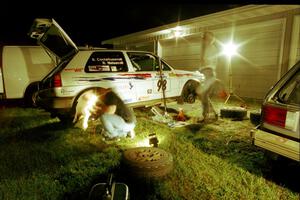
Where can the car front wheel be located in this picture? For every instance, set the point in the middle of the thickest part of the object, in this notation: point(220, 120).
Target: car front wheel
point(188, 93)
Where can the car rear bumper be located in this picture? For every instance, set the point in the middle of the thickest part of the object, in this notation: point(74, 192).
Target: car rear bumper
point(278, 144)
point(54, 103)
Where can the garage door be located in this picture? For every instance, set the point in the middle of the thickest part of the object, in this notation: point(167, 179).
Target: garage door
point(295, 42)
point(256, 68)
point(254, 71)
point(182, 53)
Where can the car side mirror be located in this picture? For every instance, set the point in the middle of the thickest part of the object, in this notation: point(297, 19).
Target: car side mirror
point(118, 191)
point(109, 191)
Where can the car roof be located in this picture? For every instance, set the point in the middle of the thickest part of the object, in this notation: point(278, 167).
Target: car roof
point(111, 50)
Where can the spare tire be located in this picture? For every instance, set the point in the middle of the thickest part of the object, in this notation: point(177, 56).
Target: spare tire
point(233, 112)
point(147, 162)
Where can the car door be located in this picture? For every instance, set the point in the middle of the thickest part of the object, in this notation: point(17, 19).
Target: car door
point(163, 80)
point(53, 38)
point(108, 69)
point(148, 81)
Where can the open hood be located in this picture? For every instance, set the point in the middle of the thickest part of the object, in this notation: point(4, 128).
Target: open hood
point(51, 36)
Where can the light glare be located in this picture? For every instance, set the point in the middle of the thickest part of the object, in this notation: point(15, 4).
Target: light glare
point(143, 143)
point(87, 110)
point(230, 49)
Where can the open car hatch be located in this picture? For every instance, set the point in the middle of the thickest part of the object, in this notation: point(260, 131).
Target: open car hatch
point(51, 36)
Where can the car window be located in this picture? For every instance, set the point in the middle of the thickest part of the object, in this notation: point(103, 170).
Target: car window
point(146, 62)
point(143, 61)
point(56, 42)
point(106, 62)
point(164, 66)
point(290, 93)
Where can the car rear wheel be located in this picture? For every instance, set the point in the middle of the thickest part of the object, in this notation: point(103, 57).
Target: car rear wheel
point(31, 94)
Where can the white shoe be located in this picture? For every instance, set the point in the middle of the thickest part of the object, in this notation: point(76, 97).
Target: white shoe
point(132, 134)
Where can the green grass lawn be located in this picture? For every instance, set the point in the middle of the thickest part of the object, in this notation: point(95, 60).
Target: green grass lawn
point(43, 159)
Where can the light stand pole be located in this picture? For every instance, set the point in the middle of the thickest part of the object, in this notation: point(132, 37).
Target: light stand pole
point(163, 85)
point(229, 50)
point(231, 93)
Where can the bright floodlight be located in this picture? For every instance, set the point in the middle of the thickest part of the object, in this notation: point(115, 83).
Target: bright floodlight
point(177, 31)
point(178, 34)
point(230, 49)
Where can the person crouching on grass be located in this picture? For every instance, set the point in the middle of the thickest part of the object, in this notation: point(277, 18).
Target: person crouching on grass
point(117, 118)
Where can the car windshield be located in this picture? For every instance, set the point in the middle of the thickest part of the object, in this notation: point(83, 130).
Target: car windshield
point(290, 93)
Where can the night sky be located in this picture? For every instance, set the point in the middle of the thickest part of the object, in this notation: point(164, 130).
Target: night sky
point(91, 23)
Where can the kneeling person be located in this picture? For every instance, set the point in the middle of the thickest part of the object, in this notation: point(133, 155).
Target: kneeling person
point(117, 118)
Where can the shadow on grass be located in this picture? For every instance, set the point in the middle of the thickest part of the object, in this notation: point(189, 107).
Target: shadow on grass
point(242, 153)
point(195, 127)
point(44, 148)
point(37, 147)
point(39, 133)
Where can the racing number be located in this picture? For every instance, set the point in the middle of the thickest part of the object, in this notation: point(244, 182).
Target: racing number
point(161, 84)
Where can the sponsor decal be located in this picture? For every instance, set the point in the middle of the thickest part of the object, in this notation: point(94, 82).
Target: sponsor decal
point(109, 61)
point(172, 74)
point(109, 78)
point(143, 98)
point(157, 75)
point(99, 68)
point(138, 76)
point(128, 100)
point(64, 91)
point(130, 85)
point(73, 69)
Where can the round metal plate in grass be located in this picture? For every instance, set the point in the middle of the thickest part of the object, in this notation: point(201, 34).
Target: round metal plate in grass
point(148, 162)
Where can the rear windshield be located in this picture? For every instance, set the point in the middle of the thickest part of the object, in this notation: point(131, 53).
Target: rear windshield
point(290, 93)
point(55, 41)
point(106, 62)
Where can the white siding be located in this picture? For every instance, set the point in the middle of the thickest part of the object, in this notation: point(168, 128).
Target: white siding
point(182, 53)
point(295, 44)
point(256, 67)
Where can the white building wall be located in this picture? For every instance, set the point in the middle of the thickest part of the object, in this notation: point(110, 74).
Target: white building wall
point(270, 35)
point(295, 43)
point(255, 68)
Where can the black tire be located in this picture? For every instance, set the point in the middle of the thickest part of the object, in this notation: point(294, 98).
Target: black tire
point(255, 117)
point(188, 93)
point(31, 94)
point(147, 162)
point(235, 113)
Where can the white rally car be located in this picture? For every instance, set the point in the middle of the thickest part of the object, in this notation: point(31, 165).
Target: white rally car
point(138, 77)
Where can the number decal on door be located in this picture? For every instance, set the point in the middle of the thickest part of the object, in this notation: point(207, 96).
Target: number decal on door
point(161, 84)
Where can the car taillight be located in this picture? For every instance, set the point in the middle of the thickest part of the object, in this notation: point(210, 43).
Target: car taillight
point(274, 115)
point(57, 80)
point(281, 117)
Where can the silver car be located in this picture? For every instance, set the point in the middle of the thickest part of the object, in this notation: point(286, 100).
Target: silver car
point(278, 130)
